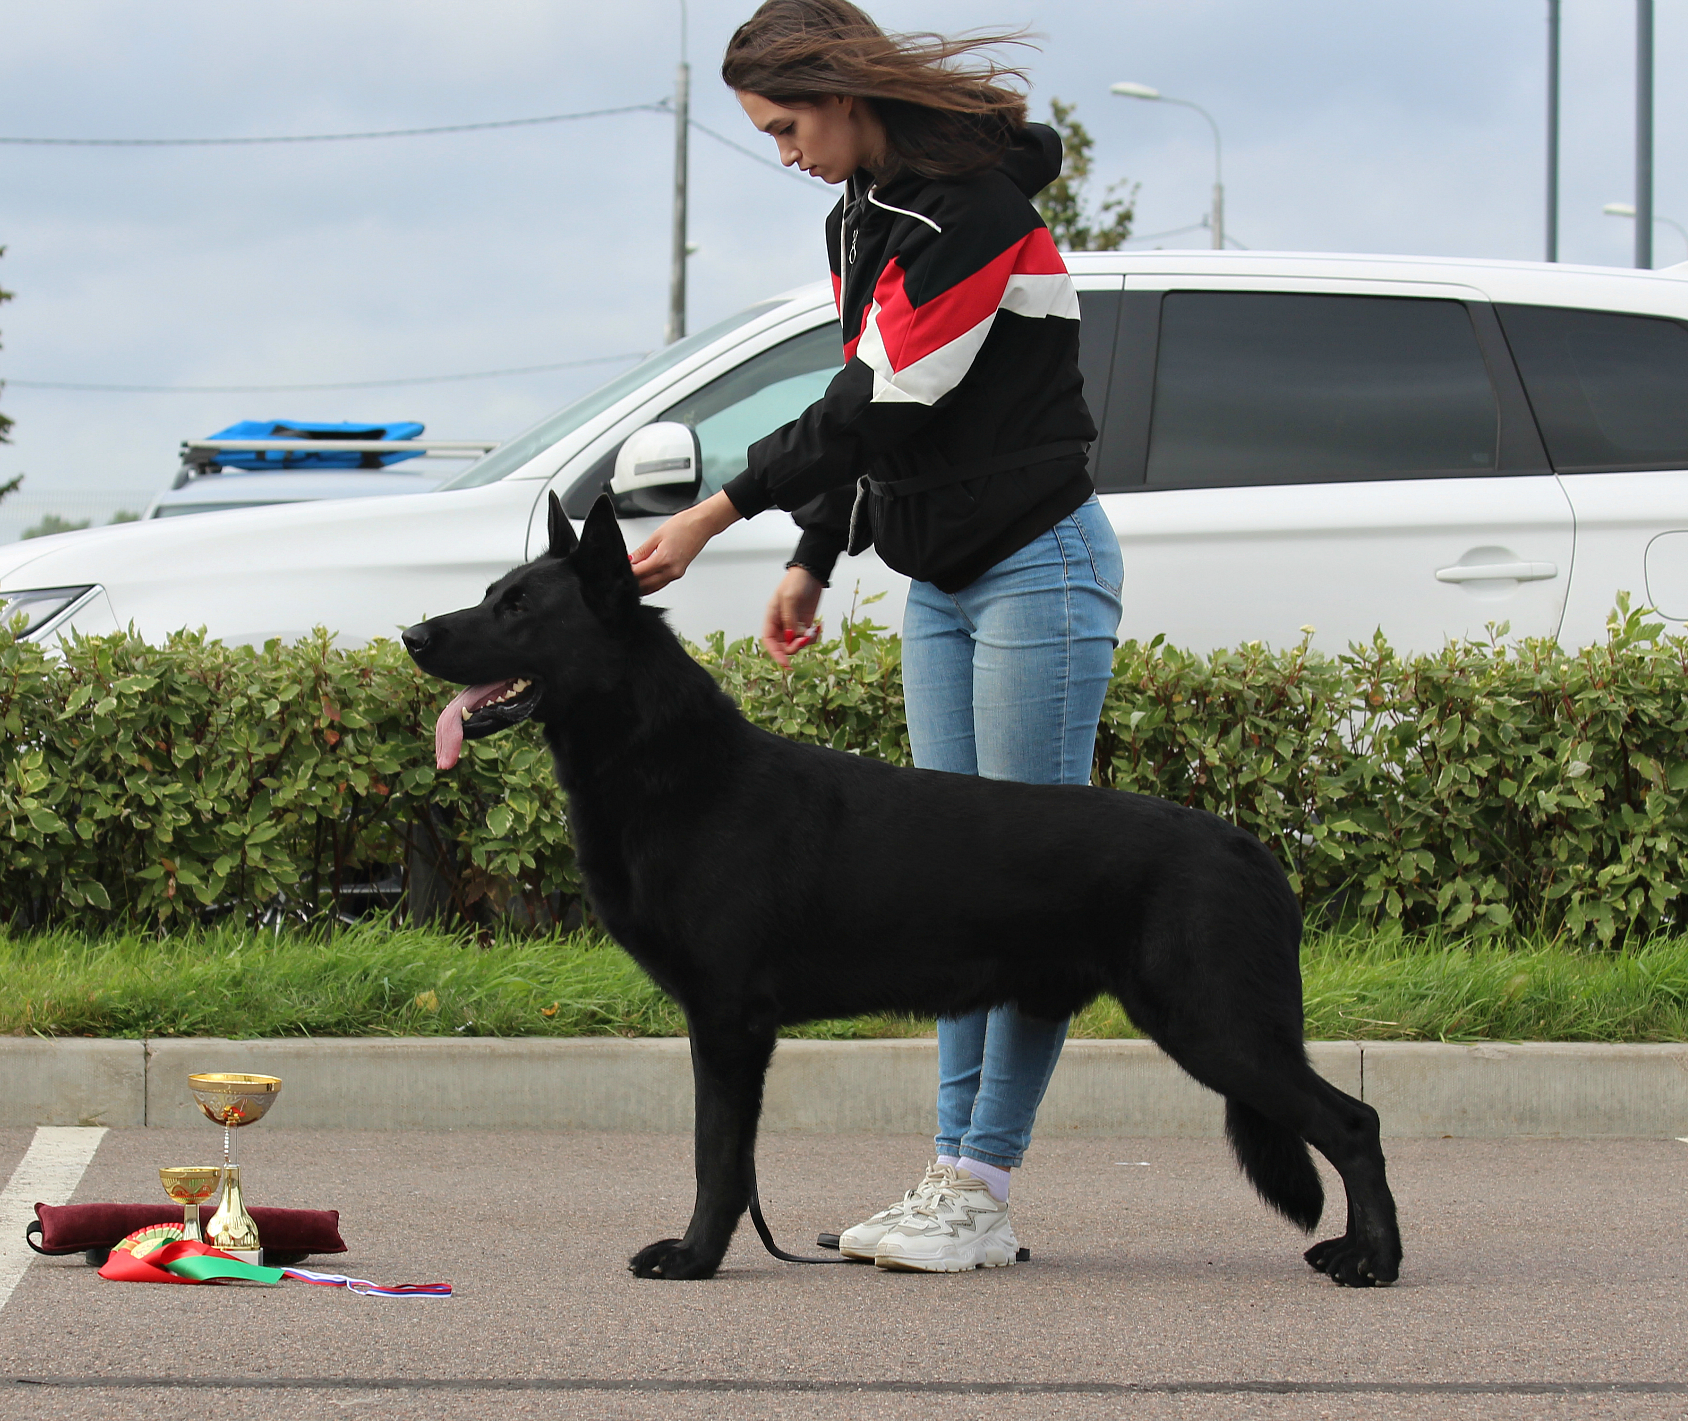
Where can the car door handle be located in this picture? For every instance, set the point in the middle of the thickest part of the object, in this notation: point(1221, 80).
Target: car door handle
point(1496, 571)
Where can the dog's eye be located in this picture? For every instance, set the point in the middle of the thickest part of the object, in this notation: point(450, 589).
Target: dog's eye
point(515, 600)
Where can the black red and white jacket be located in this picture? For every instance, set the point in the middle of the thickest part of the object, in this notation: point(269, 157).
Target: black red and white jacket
point(959, 415)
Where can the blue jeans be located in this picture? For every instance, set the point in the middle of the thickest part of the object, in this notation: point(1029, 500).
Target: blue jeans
point(1005, 679)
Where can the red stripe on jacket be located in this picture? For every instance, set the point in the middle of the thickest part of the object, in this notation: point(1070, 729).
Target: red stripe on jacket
point(910, 332)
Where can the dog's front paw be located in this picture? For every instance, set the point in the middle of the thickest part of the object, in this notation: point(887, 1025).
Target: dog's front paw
point(670, 1258)
point(1349, 1263)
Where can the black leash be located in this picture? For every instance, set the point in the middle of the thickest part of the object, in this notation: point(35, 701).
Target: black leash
point(767, 1234)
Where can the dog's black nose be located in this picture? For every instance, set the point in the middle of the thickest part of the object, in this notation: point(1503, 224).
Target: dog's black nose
point(416, 638)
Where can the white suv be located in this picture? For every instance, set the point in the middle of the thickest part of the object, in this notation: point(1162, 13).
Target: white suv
point(1287, 440)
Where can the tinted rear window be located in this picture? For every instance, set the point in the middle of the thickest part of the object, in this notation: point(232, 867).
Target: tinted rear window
point(1267, 387)
point(1609, 391)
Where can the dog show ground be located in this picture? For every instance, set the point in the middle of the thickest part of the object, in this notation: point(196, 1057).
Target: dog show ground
point(1542, 1278)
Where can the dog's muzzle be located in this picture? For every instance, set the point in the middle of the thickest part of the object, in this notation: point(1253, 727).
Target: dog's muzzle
point(482, 710)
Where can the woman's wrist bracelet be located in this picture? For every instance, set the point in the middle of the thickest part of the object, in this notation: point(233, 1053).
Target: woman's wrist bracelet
point(796, 562)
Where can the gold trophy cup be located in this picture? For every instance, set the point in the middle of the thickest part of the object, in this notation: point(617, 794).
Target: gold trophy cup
point(190, 1185)
point(233, 1100)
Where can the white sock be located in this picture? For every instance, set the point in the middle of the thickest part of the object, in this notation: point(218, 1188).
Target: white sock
point(951, 1160)
point(994, 1176)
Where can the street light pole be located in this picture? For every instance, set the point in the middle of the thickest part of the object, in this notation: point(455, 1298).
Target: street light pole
point(1553, 130)
point(1644, 133)
point(1216, 219)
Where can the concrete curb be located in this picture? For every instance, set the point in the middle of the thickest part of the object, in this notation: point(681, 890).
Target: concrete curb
point(72, 1082)
point(825, 1087)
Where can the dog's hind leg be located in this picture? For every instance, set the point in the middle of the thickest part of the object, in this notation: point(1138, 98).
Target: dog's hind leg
point(1262, 1126)
point(729, 1063)
point(1275, 1101)
point(1225, 1004)
point(1346, 1132)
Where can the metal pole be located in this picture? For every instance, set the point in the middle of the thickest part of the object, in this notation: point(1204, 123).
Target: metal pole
point(677, 268)
point(1552, 130)
point(1216, 219)
point(1644, 133)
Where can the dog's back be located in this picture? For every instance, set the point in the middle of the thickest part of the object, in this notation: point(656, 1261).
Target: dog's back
point(1045, 895)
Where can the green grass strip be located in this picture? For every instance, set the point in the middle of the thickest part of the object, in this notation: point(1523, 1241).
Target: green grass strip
point(376, 979)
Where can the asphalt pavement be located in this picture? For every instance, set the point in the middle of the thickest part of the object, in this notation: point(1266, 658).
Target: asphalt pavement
point(1542, 1279)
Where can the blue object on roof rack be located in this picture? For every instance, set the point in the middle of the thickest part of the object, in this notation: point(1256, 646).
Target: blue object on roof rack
point(275, 459)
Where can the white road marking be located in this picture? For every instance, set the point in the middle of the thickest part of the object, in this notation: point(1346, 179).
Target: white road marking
point(48, 1173)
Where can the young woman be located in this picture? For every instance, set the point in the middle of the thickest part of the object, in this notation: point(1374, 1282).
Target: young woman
point(954, 440)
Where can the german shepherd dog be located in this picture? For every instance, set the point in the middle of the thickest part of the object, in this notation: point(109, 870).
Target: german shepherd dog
point(763, 883)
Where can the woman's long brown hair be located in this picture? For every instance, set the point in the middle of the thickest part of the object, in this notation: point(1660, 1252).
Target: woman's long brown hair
point(941, 119)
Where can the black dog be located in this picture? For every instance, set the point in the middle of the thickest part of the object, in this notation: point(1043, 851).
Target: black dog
point(763, 883)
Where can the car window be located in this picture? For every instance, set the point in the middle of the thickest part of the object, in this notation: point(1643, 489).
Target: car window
point(1275, 387)
point(756, 398)
point(1609, 391)
point(771, 389)
point(513, 453)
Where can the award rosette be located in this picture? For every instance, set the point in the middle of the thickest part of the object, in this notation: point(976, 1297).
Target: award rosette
point(159, 1254)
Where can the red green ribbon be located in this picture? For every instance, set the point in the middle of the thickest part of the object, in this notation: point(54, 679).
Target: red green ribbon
point(190, 1261)
point(185, 1261)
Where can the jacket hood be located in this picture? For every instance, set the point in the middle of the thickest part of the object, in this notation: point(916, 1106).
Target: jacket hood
point(1034, 160)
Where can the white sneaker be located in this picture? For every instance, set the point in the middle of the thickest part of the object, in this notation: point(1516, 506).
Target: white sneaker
point(957, 1225)
point(860, 1242)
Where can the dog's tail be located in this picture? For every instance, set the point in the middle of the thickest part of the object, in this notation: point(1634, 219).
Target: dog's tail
point(1277, 1164)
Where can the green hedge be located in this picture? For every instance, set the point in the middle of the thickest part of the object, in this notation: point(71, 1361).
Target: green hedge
point(1481, 788)
point(145, 782)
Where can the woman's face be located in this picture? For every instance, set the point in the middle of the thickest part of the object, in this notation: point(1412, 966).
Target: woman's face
point(829, 139)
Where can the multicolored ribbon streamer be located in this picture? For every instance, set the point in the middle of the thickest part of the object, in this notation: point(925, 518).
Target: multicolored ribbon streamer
point(368, 1289)
point(159, 1254)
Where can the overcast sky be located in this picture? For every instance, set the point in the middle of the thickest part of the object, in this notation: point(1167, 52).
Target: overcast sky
point(1349, 125)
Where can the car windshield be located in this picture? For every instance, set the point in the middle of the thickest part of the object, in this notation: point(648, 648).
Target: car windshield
point(512, 454)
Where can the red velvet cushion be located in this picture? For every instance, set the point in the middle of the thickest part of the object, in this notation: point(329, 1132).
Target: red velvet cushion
point(73, 1228)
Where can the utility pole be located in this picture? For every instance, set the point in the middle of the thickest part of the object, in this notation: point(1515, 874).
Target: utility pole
point(1644, 133)
point(677, 268)
point(1552, 130)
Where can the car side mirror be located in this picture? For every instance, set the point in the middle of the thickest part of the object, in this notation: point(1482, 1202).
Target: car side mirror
point(663, 456)
point(658, 471)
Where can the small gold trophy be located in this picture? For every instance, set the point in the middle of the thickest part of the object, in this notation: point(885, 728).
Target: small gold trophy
point(190, 1185)
point(233, 1100)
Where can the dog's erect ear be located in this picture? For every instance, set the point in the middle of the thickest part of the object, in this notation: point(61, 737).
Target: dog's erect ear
point(606, 577)
point(563, 541)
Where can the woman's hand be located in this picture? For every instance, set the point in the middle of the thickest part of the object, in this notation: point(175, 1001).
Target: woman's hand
point(789, 623)
point(667, 553)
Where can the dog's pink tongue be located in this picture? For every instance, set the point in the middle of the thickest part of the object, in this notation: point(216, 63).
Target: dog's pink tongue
point(448, 729)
